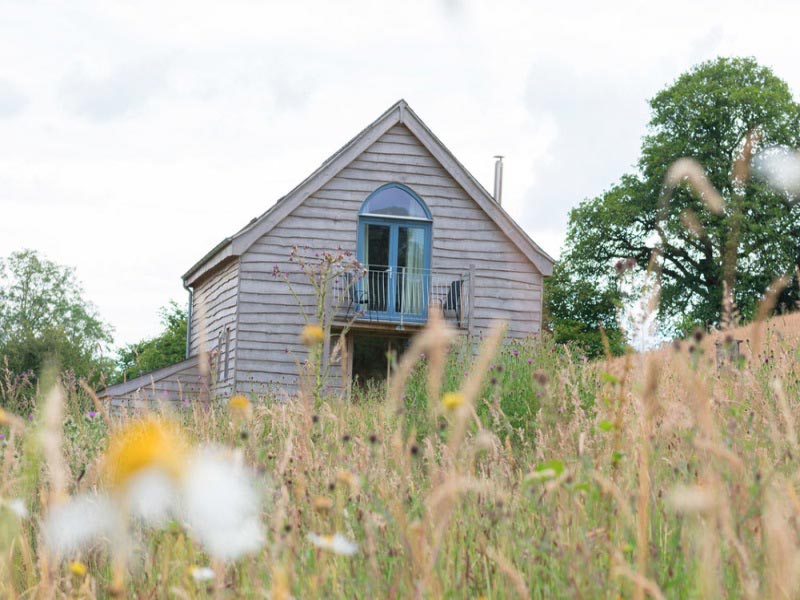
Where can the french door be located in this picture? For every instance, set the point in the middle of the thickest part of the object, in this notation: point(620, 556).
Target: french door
point(396, 254)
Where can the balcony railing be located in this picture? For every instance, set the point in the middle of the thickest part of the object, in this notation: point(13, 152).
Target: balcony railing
point(383, 294)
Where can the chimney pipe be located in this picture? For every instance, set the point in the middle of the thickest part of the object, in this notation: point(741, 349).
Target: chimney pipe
point(498, 179)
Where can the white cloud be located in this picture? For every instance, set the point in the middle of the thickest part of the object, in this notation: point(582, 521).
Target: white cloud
point(12, 100)
point(123, 92)
point(135, 136)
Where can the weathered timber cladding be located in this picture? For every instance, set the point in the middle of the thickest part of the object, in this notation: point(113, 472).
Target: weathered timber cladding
point(213, 327)
point(507, 286)
point(178, 383)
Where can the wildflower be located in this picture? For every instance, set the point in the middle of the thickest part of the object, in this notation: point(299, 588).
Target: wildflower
point(76, 523)
point(201, 574)
point(77, 568)
point(530, 361)
point(452, 400)
point(151, 473)
point(349, 479)
point(144, 444)
point(222, 507)
point(312, 335)
point(322, 504)
point(337, 543)
point(17, 506)
point(91, 414)
point(515, 353)
point(240, 408)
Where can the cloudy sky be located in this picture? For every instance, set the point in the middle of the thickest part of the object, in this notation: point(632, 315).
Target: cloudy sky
point(136, 135)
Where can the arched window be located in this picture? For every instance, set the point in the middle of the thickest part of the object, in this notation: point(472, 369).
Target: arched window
point(395, 200)
point(394, 244)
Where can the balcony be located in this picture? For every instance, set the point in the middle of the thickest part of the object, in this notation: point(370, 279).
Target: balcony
point(382, 295)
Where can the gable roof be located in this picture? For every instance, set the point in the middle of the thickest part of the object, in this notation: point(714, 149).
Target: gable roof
point(399, 113)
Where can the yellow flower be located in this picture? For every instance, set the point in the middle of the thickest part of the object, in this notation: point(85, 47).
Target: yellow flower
point(322, 504)
point(240, 407)
point(144, 444)
point(312, 335)
point(348, 478)
point(452, 400)
point(77, 568)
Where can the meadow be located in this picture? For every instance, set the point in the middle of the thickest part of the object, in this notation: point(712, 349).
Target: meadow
point(519, 470)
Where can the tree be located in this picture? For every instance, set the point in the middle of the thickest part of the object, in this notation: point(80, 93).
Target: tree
point(168, 348)
point(719, 112)
point(577, 308)
point(44, 317)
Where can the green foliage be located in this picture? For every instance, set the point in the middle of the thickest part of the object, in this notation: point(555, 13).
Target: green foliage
point(706, 115)
point(577, 308)
point(44, 318)
point(516, 394)
point(167, 348)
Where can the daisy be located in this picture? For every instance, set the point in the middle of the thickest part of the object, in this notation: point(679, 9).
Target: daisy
point(336, 543)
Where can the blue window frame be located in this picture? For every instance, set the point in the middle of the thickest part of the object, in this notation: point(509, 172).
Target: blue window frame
point(394, 245)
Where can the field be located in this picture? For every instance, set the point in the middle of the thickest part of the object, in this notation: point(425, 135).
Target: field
point(522, 471)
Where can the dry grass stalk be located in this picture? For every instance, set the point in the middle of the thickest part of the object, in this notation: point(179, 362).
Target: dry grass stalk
point(643, 499)
point(507, 569)
point(640, 582)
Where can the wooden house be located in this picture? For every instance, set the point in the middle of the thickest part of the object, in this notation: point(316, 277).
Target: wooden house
point(427, 234)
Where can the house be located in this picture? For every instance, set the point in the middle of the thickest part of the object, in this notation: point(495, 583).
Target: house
point(426, 232)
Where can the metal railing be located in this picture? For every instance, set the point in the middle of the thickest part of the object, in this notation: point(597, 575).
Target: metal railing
point(383, 294)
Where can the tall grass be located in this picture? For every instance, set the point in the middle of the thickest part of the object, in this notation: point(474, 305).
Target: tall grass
point(659, 475)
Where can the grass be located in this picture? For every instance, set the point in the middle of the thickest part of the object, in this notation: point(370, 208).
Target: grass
point(659, 475)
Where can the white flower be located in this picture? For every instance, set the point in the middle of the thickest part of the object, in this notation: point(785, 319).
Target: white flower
point(202, 573)
point(152, 496)
point(17, 506)
point(153, 475)
point(336, 543)
point(80, 521)
point(221, 506)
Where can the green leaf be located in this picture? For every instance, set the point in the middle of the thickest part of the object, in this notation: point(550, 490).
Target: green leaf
point(608, 377)
point(606, 426)
point(554, 465)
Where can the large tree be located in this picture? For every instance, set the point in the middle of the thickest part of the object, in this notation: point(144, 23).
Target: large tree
point(718, 113)
point(44, 316)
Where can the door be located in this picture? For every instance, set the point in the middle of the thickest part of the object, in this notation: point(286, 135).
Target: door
point(396, 256)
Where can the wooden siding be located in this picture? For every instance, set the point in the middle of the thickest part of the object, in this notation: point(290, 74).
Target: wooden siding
point(172, 385)
point(507, 285)
point(214, 319)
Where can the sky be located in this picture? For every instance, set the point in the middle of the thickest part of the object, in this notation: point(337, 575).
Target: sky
point(134, 136)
